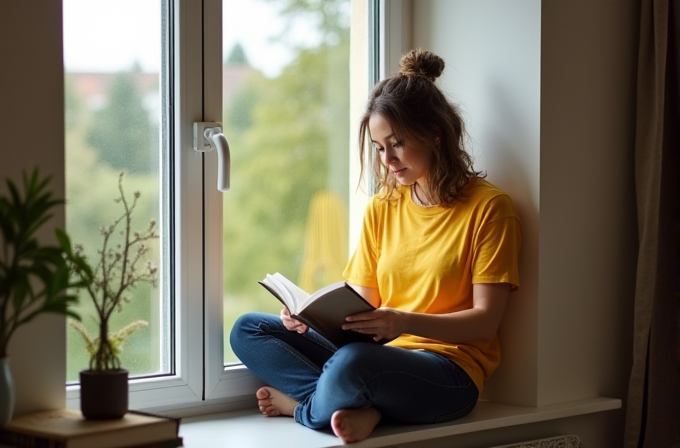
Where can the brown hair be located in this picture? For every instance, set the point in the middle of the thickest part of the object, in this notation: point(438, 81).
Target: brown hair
point(415, 107)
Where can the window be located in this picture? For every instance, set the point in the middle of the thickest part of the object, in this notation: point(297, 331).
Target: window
point(116, 111)
point(135, 84)
point(286, 115)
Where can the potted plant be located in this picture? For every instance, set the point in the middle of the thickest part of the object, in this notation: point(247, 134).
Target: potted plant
point(121, 265)
point(35, 277)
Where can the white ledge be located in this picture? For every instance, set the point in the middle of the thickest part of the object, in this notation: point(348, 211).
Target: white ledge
point(249, 429)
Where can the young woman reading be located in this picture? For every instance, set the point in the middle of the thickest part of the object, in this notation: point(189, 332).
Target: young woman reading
point(438, 256)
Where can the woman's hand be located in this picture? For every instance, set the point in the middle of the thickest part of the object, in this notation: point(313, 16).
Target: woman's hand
point(291, 323)
point(479, 322)
point(382, 323)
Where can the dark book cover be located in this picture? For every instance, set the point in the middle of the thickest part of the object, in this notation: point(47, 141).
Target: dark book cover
point(326, 314)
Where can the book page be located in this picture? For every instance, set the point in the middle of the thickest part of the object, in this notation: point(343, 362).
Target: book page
point(280, 291)
point(296, 293)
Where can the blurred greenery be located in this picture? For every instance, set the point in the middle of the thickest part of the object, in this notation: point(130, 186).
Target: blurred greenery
point(280, 131)
point(91, 187)
point(119, 129)
point(237, 55)
point(289, 141)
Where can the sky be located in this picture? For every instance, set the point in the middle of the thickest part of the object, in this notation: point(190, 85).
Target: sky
point(112, 35)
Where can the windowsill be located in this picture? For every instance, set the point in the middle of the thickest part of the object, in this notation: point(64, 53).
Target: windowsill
point(249, 429)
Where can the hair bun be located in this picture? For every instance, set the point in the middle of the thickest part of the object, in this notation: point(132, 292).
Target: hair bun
point(423, 63)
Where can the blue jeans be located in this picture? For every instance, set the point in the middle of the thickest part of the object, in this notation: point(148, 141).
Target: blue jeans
point(407, 386)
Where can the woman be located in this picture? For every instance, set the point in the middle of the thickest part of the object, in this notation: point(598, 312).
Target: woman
point(437, 256)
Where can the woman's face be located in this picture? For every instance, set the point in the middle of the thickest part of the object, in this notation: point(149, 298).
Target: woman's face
point(406, 157)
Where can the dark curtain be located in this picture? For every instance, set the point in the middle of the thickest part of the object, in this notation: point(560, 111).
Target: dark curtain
point(653, 405)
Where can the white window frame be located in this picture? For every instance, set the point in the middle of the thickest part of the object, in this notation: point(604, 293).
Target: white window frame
point(201, 380)
point(234, 384)
point(186, 385)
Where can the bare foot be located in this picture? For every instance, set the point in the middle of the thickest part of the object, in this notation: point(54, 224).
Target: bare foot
point(273, 402)
point(354, 425)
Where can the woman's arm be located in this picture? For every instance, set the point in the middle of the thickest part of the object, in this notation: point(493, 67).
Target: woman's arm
point(371, 295)
point(479, 322)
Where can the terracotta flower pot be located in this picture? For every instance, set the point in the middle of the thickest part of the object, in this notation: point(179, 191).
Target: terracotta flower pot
point(104, 395)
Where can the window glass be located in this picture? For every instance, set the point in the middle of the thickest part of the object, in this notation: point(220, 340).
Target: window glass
point(115, 109)
point(286, 116)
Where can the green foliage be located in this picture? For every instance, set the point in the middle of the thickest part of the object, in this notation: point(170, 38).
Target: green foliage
point(72, 104)
point(121, 265)
point(121, 132)
point(89, 205)
point(237, 55)
point(35, 278)
point(239, 115)
point(331, 18)
point(290, 136)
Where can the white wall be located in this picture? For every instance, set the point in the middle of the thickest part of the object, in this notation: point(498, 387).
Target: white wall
point(548, 93)
point(32, 134)
point(492, 51)
point(588, 232)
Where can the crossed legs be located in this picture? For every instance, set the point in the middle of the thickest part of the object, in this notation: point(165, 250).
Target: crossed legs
point(351, 389)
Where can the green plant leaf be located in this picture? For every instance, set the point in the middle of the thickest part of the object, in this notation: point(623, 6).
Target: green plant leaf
point(35, 278)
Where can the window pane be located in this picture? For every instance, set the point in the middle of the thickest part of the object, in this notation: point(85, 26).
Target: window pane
point(286, 116)
point(113, 53)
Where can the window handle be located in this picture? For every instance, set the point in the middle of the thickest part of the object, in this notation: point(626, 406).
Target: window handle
point(208, 136)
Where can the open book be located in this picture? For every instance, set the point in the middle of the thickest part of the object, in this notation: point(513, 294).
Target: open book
point(325, 310)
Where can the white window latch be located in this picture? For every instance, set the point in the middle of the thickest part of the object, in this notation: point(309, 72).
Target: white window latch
point(208, 136)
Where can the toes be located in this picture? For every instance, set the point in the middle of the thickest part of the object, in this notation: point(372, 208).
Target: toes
point(270, 411)
point(262, 393)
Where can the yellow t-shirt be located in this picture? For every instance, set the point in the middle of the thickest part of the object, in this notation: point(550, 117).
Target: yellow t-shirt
point(426, 260)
